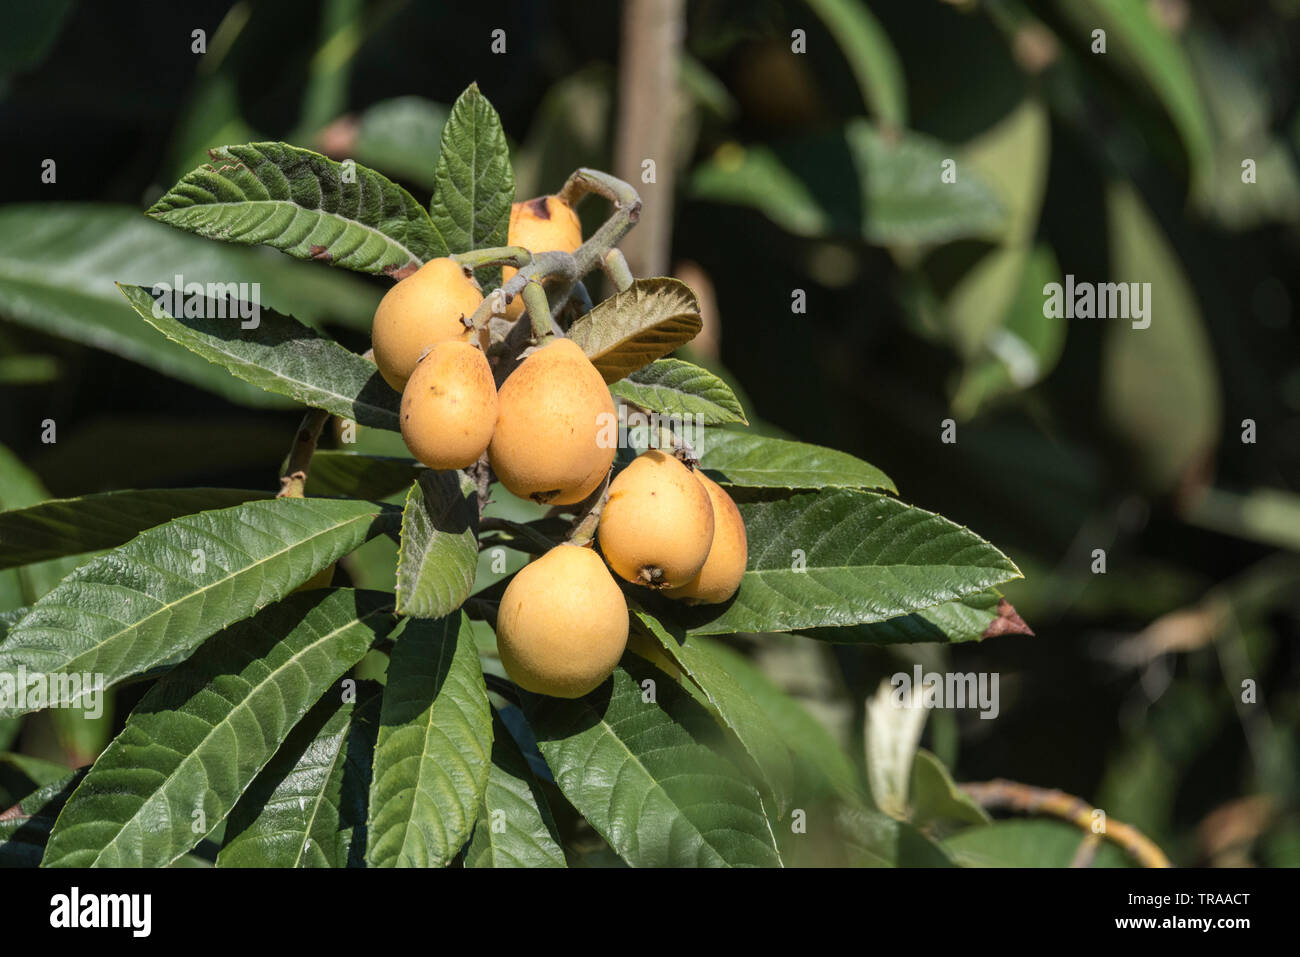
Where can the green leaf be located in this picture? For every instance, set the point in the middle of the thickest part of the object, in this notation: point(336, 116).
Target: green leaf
point(21, 488)
point(650, 776)
point(515, 827)
point(359, 474)
point(756, 461)
point(434, 749)
point(280, 355)
point(935, 797)
point(155, 599)
point(896, 196)
point(308, 806)
point(1012, 156)
point(743, 716)
point(632, 328)
point(844, 557)
point(868, 838)
point(1161, 60)
point(475, 184)
point(439, 554)
point(58, 263)
point(401, 138)
point(204, 731)
point(1024, 348)
point(674, 387)
point(871, 56)
point(1026, 844)
point(303, 204)
point(973, 617)
point(25, 828)
point(1170, 421)
point(821, 767)
point(89, 523)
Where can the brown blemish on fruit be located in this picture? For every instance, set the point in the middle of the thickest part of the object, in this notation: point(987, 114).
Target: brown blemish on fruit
point(538, 207)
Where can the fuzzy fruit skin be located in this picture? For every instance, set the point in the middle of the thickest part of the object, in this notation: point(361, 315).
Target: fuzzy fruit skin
point(423, 309)
point(657, 525)
point(540, 225)
point(728, 555)
point(449, 406)
point(552, 410)
point(562, 625)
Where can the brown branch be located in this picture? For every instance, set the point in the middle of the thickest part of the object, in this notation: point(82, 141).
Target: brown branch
point(1027, 799)
point(293, 483)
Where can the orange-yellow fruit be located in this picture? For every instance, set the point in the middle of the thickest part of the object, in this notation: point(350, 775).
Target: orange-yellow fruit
point(562, 625)
point(540, 225)
point(720, 577)
point(556, 433)
point(423, 309)
point(449, 406)
point(657, 525)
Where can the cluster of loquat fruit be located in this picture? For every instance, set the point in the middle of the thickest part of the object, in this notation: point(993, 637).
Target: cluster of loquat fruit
point(562, 624)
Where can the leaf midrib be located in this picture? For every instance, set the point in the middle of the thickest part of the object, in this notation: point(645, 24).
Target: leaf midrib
point(242, 705)
point(179, 211)
point(139, 623)
point(240, 366)
point(447, 642)
point(655, 785)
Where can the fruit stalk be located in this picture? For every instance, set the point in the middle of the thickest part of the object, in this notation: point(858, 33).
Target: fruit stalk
point(617, 269)
point(515, 256)
point(539, 311)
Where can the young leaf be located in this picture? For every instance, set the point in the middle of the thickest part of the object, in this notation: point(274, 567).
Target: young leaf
point(893, 732)
point(740, 713)
point(650, 775)
point(435, 741)
point(91, 523)
point(514, 827)
point(475, 184)
point(935, 797)
point(756, 461)
point(674, 387)
point(359, 474)
point(155, 599)
point(280, 355)
point(439, 554)
point(971, 618)
point(633, 328)
point(308, 806)
point(305, 205)
point(58, 263)
point(844, 557)
point(204, 731)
